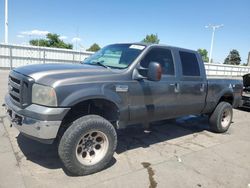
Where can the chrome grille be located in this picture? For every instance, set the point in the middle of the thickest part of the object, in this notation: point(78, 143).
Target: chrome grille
point(19, 89)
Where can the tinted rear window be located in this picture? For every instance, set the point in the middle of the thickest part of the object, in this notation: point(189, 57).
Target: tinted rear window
point(190, 65)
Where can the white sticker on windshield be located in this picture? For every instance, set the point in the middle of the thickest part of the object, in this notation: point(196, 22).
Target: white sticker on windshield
point(138, 47)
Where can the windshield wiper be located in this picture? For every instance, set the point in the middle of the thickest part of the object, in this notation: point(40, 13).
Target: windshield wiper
point(100, 63)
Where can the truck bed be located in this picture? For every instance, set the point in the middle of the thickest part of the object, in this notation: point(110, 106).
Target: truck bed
point(216, 86)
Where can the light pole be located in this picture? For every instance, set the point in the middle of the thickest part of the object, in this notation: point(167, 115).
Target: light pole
point(6, 23)
point(80, 48)
point(214, 27)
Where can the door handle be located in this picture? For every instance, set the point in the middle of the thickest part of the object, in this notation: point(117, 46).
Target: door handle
point(202, 88)
point(176, 87)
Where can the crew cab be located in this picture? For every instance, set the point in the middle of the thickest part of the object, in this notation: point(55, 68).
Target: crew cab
point(82, 105)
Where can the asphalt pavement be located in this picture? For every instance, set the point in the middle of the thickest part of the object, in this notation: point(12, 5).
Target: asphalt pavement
point(176, 153)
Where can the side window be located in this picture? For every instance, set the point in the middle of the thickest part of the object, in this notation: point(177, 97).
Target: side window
point(162, 56)
point(190, 65)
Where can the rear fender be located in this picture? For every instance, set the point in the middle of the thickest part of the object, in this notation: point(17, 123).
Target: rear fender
point(214, 97)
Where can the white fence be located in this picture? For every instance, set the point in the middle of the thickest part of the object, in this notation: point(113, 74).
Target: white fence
point(222, 70)
point(16, 55)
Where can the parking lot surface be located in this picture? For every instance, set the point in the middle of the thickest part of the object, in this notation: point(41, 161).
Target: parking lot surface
point(174, 153)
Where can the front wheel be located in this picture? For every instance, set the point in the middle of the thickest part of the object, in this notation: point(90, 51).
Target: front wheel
point(88, 145)
point(220, 120)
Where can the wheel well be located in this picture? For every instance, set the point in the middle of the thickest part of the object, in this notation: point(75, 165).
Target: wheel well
point(227, 98)
point(101, 107)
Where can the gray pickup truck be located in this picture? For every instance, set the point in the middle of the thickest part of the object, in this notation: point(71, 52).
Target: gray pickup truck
point(82, 105)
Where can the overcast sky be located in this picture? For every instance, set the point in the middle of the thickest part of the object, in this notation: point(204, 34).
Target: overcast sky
point(177, 22)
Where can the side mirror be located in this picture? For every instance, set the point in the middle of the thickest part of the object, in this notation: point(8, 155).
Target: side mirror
point(154, 71)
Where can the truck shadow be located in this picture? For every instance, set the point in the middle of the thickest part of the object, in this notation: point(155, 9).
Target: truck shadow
point(136, 136)
point(244, 109)
point(131, 138)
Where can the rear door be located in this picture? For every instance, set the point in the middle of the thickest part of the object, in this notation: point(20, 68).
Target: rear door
point(192, 86)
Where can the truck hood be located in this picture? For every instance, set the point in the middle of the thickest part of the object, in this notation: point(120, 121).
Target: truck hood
point(49, 74)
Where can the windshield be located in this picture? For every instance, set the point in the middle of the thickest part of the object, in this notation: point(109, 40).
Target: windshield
point(118, 56)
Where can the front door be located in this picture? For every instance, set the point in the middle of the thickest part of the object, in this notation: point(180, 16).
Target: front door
point(154, 100)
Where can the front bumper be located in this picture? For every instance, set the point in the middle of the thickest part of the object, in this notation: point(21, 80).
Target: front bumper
point(37, 122)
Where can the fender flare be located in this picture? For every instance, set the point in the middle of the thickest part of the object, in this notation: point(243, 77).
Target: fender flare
point(225, 92)
point(92, 93)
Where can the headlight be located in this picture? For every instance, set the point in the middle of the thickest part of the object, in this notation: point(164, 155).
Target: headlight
point(43, 95)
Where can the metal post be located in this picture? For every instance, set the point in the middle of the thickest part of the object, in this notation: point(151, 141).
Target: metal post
point(39, 55)
point(6, 23)
point(44, 56)
point(214, 27)
point(211, 47)
point(248, 59)
point(11, 63)
point(80, 55)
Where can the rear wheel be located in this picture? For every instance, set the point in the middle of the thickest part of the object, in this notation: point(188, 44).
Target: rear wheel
point(88, 145)
point(220, 120)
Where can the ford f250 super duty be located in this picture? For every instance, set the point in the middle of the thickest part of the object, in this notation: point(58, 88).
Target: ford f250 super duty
point(82, 105)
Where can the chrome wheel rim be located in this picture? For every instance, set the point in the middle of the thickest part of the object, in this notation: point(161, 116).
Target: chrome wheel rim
point(92, 147)
point(226, 118)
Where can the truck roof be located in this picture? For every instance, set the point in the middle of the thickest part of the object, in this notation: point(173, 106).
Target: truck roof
point(160, 45)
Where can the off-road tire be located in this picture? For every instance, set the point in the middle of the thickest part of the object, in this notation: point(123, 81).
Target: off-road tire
point(70, 140)
point(217, 124)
